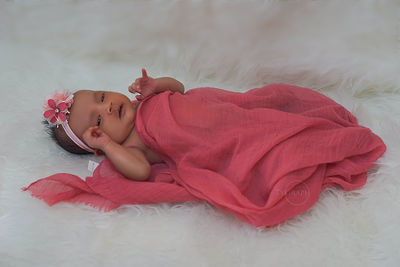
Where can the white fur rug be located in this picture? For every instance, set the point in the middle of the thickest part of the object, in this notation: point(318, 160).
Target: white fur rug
point(348, 50)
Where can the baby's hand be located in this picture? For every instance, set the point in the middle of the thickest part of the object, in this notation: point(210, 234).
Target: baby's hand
point(96, 138)
point(145, 86)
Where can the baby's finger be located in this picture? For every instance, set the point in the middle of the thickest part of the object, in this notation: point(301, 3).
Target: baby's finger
point(92, 132)
point(144, 73)
point(136, 84)
point(98, 131)
point(139, 88)
point(132, 90)
point(87, 135)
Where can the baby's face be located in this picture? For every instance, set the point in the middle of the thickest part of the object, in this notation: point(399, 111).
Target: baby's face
point(112, 112)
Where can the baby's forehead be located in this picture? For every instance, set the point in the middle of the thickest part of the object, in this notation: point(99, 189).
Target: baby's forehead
point(79, 116)
point(84, 96)
point(82, 101)
point(83, 92)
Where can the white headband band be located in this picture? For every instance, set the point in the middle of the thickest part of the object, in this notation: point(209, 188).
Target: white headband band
point(75, 138)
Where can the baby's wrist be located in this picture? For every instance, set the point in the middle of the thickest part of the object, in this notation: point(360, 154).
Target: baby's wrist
point(107, 146)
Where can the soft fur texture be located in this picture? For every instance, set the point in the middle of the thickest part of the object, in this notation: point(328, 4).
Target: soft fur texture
point(348, 50)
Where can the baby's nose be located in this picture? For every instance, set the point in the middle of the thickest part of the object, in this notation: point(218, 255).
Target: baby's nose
point(111, 108)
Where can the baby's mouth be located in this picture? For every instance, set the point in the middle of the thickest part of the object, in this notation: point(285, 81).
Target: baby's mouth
point(120, 111)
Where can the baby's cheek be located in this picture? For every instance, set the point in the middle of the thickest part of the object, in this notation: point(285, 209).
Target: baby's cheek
point(117, 136)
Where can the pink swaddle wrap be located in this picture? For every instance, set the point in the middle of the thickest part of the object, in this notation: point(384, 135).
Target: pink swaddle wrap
point(263, 155)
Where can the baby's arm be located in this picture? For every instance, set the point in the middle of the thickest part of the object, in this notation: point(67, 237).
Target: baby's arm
point(168, 83)
point(146, 86)
point(131, 162)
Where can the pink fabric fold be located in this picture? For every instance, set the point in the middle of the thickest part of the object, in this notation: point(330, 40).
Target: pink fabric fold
point(264, 155)
point(108, 189)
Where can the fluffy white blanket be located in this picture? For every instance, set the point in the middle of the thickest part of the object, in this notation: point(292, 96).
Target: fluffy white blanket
point(348, 50)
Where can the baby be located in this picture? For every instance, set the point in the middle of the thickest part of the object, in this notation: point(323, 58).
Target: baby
point(103, 122)
point(263, 155)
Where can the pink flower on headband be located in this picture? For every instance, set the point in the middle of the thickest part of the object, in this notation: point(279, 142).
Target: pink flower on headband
point(55, 108)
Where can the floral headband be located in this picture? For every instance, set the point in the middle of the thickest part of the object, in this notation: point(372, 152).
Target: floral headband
point(56, 110)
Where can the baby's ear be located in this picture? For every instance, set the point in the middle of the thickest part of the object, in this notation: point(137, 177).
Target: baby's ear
point(98, 152)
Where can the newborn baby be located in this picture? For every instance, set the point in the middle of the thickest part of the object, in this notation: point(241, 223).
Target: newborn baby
point(103, 122)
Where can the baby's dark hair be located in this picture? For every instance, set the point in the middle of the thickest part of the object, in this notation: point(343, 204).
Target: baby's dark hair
point(60, 136)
